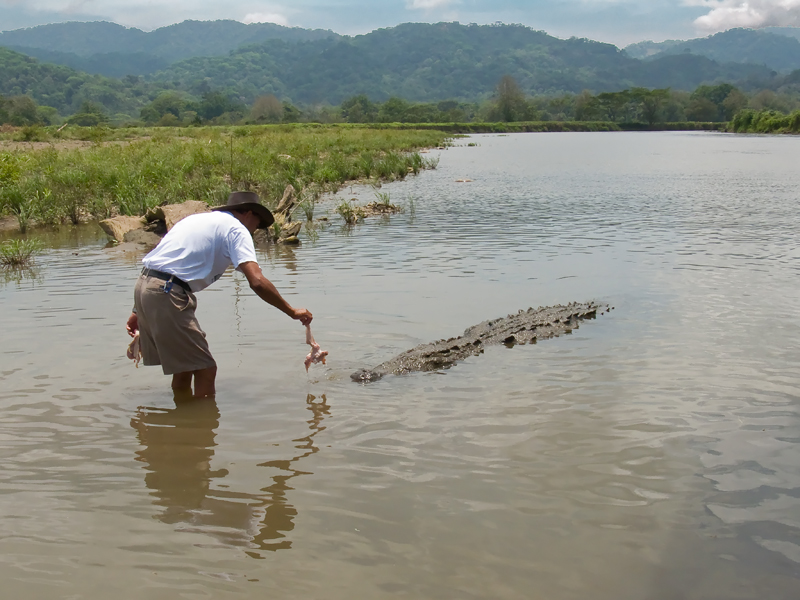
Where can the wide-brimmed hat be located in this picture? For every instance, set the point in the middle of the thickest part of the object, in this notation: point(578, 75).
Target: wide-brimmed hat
point(244, 201)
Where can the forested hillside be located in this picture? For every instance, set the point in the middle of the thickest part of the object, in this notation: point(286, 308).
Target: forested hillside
point(776, 51)
point(423, 63)
point(114, 50)
point(63, 88)
point(111, 64)
point(413, 62)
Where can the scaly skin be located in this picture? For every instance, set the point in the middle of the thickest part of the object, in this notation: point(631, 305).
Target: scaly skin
point(522, 328)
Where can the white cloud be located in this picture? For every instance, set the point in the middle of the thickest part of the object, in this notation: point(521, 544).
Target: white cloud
point(725, 14)
point(428, 4)
point(266, 18)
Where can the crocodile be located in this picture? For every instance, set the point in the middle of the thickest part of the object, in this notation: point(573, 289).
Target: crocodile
point(524, 327)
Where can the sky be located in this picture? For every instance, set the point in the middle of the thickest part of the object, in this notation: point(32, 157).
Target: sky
point(619, 22)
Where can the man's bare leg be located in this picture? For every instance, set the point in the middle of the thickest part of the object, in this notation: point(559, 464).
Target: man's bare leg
point(204, 382)
point(182, 382)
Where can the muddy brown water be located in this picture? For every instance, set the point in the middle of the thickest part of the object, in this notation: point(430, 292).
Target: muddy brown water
point(651, 454)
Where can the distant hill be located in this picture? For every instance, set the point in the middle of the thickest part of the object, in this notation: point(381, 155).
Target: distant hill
point(64, 88)
point(112, 64)
point(423, 62)
point(650, 48)
point(115, 51)
point(416, 61)
point(790, 31)
point(777, 51)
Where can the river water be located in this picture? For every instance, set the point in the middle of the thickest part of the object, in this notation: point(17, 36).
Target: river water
point(654, 453)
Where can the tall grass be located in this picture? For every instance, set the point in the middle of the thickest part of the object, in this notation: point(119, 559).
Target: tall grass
point(18, 253)
point(383, 198)
point(101, 179)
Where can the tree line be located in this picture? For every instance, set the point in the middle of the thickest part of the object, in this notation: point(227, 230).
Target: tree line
point(636, 105)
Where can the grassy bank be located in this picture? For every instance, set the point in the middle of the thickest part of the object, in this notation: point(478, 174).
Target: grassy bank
point(137, 169)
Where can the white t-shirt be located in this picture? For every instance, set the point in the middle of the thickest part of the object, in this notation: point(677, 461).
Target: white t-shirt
point(200, 247)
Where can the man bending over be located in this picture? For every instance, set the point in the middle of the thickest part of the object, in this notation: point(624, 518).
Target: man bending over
point(193, 255)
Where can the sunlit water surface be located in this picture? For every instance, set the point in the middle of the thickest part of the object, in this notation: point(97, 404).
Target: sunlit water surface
point(654, 453)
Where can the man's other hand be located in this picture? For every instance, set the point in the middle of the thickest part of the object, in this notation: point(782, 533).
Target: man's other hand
point(132, 326)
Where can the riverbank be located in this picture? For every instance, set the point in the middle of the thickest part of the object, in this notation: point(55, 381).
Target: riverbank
point(58, 181)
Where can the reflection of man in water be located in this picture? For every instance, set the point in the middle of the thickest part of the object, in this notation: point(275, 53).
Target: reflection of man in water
point(178, 448)
point(193, 255)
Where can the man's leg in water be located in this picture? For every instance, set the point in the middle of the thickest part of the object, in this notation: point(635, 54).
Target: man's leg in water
point(203, 382)
point(182, 382)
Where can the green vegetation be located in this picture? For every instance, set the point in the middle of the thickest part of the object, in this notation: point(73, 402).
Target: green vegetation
point(383, 198)
point(85, 46)
point(629, 108)
point(159, 166)
point(350, 213)
point(19, 252)
point(64, 89)
point(307, 207)
point(415, 72)
point(430, 62)
point(717, 103)
point(765, 121)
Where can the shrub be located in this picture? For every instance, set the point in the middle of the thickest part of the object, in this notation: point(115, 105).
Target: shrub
point(18, 253)
point(350, 213)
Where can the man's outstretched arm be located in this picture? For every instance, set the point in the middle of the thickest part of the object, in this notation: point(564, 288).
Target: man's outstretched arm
point(268, 293)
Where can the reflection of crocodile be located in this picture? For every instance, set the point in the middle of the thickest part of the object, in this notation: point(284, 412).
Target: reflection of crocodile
point(523, 327)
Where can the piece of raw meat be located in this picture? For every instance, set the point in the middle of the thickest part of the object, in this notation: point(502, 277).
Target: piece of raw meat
point(316, 355)
point(134, 349)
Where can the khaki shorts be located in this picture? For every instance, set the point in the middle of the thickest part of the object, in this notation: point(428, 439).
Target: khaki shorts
point(169, 333)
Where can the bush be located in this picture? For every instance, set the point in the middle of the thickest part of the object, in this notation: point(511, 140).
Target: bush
point(350, 213)
point(18, 253)
point(765, 121)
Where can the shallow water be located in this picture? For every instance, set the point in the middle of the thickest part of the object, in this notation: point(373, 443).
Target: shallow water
point(653, 453)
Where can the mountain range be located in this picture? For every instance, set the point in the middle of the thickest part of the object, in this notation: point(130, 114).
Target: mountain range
point(428, 62)
point(63, 65)
point(115, 51)
point(76, 40)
